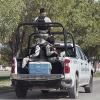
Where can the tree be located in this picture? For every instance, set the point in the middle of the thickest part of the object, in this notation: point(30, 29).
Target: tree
point(80, 17)
point(10, 13)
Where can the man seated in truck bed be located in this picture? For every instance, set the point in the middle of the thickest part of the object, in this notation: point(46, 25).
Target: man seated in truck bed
point(46, 45)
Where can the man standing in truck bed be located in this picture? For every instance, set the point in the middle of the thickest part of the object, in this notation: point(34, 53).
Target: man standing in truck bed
point(43, 32)
point(42, 18)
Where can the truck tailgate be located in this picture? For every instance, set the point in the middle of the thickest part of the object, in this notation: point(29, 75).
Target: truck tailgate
point(31, 77)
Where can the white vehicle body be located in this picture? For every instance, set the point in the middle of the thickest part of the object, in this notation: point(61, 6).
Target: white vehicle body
point(80, 66)
point(76, 68)
point(66, 70)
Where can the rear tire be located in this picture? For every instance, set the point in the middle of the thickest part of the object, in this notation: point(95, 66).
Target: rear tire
point(21, 91)
point(73, 92)
point(89, 88)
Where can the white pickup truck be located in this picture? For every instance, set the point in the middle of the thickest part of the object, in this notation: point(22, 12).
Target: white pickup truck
point(67, 72)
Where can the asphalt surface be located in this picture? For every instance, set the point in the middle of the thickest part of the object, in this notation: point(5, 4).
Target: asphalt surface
point(56, 95)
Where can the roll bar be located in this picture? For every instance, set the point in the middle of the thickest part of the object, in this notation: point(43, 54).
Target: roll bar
point(35, 25)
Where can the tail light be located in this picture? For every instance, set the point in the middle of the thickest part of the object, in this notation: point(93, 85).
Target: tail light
point(66, 66)
point(14, 66)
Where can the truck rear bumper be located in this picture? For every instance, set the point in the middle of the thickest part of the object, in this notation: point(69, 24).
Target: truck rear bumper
point(66, 83)
point(31, 77)
point(37, 81)
point(41, 81)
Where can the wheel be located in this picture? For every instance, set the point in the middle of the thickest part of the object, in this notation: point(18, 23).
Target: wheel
point(89, 88)
point(73, 92)
point(20, 91)
point(45, 91)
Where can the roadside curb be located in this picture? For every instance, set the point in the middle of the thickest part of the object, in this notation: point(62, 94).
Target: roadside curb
point(6, 90)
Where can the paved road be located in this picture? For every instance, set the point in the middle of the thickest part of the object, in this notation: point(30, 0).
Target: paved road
point(36, 94)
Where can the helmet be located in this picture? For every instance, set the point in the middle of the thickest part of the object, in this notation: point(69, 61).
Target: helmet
point(42, 10)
